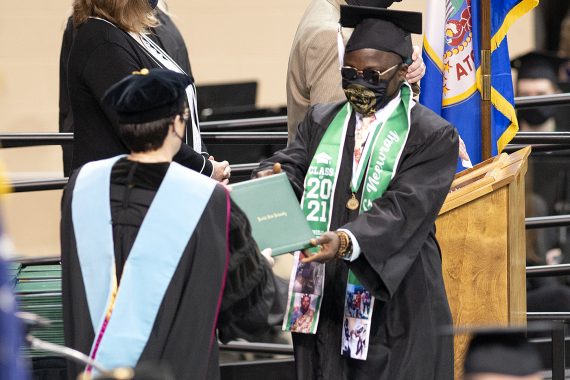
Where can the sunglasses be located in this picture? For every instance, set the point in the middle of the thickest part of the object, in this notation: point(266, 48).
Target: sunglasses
point(370, 75)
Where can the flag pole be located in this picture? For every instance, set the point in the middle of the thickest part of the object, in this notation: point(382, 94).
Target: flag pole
point(486, 79)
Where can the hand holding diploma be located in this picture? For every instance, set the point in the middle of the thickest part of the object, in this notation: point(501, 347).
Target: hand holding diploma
point(275, 170)
point(267, 254)
point(329, 244)
point(273, 211)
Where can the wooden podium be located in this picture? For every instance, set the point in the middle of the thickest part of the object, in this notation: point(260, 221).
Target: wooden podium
point(481, 231)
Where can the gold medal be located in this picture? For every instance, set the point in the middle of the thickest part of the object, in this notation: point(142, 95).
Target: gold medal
point(352, 203)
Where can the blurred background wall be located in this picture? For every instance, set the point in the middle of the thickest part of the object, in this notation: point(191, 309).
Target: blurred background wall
point(227, 41)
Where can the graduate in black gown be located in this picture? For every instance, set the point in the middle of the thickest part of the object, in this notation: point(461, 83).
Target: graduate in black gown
point(141, 207)
point(388, 241)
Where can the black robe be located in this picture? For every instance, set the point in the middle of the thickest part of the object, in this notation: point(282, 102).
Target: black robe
point(181, 336)
point(400, 262)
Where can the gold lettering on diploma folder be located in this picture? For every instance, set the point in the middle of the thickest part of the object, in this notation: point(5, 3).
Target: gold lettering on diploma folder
point(273, 215)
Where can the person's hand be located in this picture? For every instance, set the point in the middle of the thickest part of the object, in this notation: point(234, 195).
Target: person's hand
point(554, 256)
point(417, 69)
point(463, 151)
point(221, 171)
point(329, 243)
point(267, 172)
point(267, 254)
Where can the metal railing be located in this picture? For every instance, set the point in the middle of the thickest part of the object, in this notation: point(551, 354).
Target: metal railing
point(244, 124)
point(23, 186)
point(21, 140)
point(244, 137)
point(30, 139)
point(263, 348)
point(524, 102)
point(541, 141)
point(550, 138)
point(558, 336)
point(562, 317)
point(547, 221)
point(548, 270)
point(234, 131)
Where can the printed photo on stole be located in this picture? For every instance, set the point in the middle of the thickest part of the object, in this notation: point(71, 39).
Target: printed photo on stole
point(305, 295)
point(358, 304)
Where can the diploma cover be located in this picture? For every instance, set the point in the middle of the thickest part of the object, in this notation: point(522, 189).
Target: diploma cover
point(273, 210)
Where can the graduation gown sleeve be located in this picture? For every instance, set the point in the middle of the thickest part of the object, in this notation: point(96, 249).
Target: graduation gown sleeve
point(78, 328)
point(250, 289)
point(392, 233)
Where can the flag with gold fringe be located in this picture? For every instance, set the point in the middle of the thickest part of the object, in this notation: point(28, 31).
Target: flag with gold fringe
point(452, 84)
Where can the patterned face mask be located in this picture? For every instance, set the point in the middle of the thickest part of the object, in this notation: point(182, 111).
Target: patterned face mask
point(364, 96)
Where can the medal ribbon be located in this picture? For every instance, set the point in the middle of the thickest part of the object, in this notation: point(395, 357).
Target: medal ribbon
point(381, 157)
point(359, 174)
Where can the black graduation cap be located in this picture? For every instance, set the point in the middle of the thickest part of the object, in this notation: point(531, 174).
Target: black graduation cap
point(503, 350)
point(148, 95)
point(381, 29)
point(538, 65)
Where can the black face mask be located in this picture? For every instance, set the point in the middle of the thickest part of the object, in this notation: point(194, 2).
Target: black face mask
point(372, 3)
point(366, 98)
point(153, 3)
point(536, 116)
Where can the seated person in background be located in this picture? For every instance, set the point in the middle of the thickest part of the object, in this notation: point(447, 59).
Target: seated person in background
point(502, 354)
point(537, 74)
point(547, 177)
point(156, 257)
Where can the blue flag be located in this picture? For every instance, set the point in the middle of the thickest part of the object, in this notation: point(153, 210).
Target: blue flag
point(452, 84)
point(11, 367)
point(11, 339)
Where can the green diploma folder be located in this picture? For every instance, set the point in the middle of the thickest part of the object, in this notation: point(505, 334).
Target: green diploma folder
point(277, 221)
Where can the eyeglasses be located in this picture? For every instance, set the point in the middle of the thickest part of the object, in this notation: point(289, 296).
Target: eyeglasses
point(369, 75)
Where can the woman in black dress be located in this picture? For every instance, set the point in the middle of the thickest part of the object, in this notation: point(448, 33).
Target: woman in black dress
point(110, 43)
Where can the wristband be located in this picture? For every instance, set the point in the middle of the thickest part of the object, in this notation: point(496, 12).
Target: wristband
point(345, 245)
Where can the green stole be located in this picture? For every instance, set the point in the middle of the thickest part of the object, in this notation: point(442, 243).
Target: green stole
point(377, 168)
